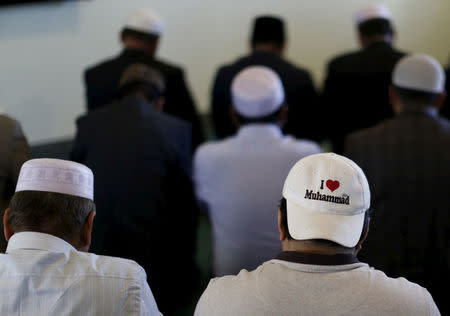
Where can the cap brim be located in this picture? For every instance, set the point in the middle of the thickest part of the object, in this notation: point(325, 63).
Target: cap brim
point(306, 224)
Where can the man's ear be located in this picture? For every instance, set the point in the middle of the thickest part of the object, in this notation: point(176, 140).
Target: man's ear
point(234, 117)
point(363, 236)
point(6, 227)
point(441, 99)
point(160, 103)
point(280, 226)
point(393, 100)
point(86, 232)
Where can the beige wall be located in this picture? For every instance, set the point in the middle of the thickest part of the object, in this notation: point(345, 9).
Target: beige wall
point(44, 48)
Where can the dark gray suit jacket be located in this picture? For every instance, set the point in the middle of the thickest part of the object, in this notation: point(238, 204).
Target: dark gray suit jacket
point(145, 200)
point(407, 162)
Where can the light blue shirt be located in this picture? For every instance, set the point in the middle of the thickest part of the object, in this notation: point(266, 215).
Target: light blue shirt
point(241, 180)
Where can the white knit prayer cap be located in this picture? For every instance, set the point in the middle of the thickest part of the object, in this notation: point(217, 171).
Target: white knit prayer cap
point(372, 11)
point(419, 72)
point(257, 91)
point(146, 21)
point(56, 175)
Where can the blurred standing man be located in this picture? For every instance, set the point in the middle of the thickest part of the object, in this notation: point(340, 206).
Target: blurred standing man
point(140, 38)
point(406, 159)
point(14, 151)
point(239, 178)
point(268, 42)
point(141, 158)
point(445, 111)
point(323, 220)
point(356, 87)
point(46, 269)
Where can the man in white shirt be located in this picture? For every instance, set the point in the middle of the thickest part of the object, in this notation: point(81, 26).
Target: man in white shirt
point(323, 220)
point(46, 269)
point(239, 178)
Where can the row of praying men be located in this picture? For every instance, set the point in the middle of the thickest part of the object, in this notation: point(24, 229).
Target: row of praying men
point(146, 209)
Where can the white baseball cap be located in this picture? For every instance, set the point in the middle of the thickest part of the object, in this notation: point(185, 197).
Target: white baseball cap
point(327, 196)
point(372, 11)
point(257, 91)
point(419, 72)
point(56, 175)
point(144, 20)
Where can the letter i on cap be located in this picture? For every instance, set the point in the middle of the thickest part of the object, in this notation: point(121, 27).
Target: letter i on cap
point(56, 175)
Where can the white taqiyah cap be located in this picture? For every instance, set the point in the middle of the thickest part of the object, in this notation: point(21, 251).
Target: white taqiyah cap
point(327, 196)
point(56, 175)
point(419, 72)
point(372, 11)
point(257, 91)
point(146, 21)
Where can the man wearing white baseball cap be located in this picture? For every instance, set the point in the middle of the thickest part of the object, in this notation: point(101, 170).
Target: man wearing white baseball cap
point(140, 36)
point(406, 159)
point(46, 269)
point(323, 219)
point(239, 178)
point(356, 86)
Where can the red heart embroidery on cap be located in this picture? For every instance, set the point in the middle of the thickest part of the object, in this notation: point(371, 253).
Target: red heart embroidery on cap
point(332, 185)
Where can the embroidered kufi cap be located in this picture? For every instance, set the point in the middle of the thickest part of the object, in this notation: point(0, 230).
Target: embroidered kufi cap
point(56, 175)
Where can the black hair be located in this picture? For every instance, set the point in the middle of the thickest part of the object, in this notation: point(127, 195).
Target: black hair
point(374, 27)
point(141, 36)
point(150, 91)
point(268, 29)
point(416, 96)
point(270, 118)
point(284, 223)
point(58, 214)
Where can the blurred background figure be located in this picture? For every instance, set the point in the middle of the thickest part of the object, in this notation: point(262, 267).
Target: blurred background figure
point(240, 178)
point(268, 43)
point(355, 93)
point(47, 269)
point(406, 159)
point(445, 111)
point(14, 151)
point(140, 37)
point(146, 207)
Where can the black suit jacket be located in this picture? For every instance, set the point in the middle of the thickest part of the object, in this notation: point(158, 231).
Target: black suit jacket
point(406, 160)
point(355, 93)
point(102, 82)
point(143, 192)
point(301, 96)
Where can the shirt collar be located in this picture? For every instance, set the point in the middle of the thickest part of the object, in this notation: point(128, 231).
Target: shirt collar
point(260, 130)
point(317, 259)
point(38, 241)
point(427, 111)
point(379, 45)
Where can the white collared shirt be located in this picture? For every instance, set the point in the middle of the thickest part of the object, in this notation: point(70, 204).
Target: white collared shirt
point(241, 180)
point(41, 274)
